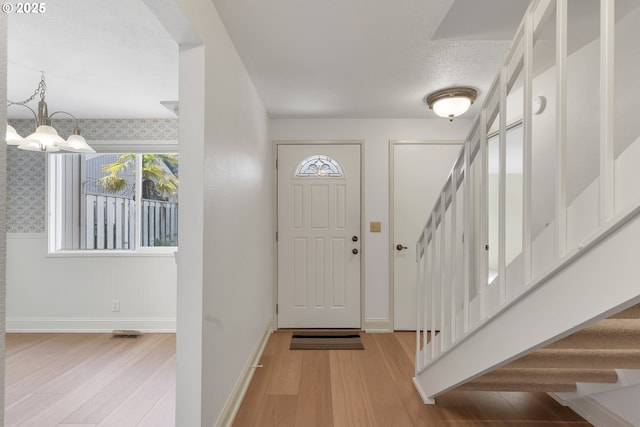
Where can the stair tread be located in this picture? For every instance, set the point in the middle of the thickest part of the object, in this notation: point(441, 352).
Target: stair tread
point(582, 358)
point(499, 386)
point(548, 375)
point(632, 312)
point(605, 334)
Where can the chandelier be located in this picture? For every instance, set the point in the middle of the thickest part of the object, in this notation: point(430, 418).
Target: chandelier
point(46, 138)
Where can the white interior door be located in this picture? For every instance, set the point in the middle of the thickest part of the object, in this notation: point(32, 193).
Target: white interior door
point(419, 173)
point(319, 236)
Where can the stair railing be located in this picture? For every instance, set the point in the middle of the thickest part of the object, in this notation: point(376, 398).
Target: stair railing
point(457, 290)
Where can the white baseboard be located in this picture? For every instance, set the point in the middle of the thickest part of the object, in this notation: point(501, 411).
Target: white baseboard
point(228, 414)
point(88, 325)
point(593, 411)
point(378, 325)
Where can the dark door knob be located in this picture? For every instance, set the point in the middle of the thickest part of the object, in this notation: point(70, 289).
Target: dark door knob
point(354, 238)
point(401, 247)
point(355, 251)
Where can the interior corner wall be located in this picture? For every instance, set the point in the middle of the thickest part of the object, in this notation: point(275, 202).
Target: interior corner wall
point(235, 258)
point(377, 134)
point(3, 204)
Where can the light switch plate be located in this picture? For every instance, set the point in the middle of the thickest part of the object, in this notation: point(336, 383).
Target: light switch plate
point(375, 226)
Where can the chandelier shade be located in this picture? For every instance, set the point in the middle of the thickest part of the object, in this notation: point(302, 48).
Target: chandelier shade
point(12, 136)
point(45, 138)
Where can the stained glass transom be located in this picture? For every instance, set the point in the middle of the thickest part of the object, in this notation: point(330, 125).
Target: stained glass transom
point(319, 165)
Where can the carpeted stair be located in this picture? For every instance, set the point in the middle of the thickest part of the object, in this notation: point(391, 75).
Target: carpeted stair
point(590, 355)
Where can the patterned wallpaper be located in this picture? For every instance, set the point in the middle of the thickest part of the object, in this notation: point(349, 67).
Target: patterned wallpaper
point(26, 192)
point(109, 129)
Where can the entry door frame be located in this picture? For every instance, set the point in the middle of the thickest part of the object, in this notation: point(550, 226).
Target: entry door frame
point(392, 201)
point(363, 246)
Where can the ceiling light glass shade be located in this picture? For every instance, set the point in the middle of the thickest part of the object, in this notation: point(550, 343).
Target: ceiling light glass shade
point(12, 136)
point(47, 136)
point(451, 102)
point(77, 144)
point(34, 146)
point(451, 107)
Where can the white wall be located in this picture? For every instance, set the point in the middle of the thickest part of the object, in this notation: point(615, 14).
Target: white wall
point(376, 134)
point(225, 266)
point(74, 293)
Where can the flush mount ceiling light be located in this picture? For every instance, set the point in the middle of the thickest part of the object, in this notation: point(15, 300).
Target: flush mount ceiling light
point(46, 138)
point(451, 102)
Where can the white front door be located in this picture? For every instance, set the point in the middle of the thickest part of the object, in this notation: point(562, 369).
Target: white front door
point(319, 238)
point(419, 173)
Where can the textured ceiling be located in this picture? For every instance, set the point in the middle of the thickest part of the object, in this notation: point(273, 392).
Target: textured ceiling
point(368, 59)
point(326, 59)
point(102, 59)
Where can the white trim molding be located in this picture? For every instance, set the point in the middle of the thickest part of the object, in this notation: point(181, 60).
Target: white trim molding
point(88, 325)
point(372, 326)
point(230, 410)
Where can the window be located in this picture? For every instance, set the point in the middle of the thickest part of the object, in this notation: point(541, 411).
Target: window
point(319, 166)
point(114, 201)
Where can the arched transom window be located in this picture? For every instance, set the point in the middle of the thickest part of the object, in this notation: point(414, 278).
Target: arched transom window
point(319, 165)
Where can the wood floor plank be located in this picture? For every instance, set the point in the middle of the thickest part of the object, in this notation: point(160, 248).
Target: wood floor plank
point(350, 405)
point(287, 367)
point(407, 340)
point(114, 392)
point(77, 390)
point(278, 411)
point(143, 399)
point(387, 408)
point(50, 369)
point(163, 414)
point(314, 407)
point(395, 358)
point(22, 412)
point(44, 354)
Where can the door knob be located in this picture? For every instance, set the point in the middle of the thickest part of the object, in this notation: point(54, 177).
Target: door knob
point(354, 238)
point(354, 251)
point(401, 247)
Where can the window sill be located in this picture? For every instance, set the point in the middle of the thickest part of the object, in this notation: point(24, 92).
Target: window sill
point(169, 252)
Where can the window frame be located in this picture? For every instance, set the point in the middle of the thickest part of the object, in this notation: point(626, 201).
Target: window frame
point(54, 209)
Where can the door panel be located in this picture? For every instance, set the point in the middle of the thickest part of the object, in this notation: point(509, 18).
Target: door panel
point(318, 214)
point(419, 173)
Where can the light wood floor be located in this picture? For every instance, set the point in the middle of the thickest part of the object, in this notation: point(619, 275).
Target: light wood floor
point(87, 380)
point(371, 388)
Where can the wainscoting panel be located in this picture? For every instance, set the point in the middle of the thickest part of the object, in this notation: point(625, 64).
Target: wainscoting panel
point(78, 293)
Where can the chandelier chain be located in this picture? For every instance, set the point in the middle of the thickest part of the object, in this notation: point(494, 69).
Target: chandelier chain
point(42, 88)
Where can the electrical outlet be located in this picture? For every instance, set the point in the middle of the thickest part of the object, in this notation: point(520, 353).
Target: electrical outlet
point(115, 305)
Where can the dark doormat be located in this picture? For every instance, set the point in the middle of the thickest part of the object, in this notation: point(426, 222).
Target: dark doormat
point(326, 340)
